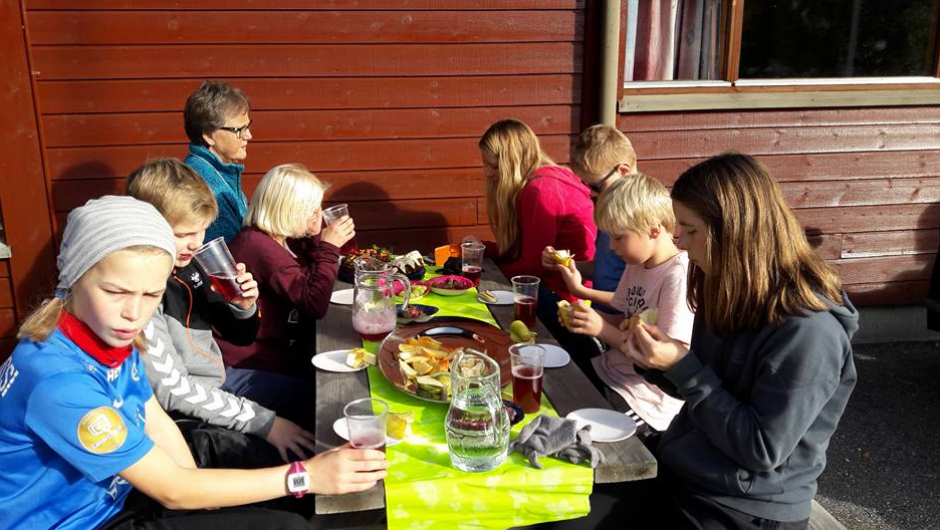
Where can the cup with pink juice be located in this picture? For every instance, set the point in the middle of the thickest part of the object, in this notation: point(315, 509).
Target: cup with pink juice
point(366, 421)
point(216, 260)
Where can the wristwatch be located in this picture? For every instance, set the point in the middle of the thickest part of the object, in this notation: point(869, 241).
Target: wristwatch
point(298, 480)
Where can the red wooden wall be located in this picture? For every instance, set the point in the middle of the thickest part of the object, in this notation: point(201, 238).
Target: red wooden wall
point(865, 183)
point(385, 102)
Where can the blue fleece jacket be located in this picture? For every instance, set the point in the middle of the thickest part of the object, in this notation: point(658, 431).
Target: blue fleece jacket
point(760, 408)
point(225, 180)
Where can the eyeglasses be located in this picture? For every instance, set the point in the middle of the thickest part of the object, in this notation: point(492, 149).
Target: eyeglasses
point(239, 132)
point(598, 186)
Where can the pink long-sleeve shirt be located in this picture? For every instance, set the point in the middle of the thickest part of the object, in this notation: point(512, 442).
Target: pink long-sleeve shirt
point(554, 208)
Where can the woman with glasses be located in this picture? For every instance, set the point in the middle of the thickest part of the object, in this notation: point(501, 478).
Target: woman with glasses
point(218, 127)
point(532, 204)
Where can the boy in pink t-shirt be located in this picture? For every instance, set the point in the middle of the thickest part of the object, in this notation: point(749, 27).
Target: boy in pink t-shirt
point(637, 213)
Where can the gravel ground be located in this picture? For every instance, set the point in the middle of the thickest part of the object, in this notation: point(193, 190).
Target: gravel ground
point(884, 460)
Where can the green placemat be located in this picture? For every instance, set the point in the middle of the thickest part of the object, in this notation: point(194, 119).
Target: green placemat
point(425, 491)
point(462, 305)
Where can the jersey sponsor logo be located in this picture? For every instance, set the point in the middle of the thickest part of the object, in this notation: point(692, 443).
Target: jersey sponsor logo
point(293, 317)
point(8, 374)
point(135, 375)
point(102, 431)
point(113, 374)
point(196, 279)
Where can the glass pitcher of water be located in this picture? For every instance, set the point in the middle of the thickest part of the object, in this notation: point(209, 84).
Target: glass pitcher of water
point(477, 426)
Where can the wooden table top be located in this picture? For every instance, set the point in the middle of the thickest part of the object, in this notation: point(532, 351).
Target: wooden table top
point(567, 389)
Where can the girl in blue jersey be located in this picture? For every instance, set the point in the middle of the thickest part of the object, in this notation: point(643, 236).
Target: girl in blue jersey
point(79, 427)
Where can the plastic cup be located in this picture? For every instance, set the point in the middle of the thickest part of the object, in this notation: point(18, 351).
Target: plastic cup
point(471, 260)
point(335, 213)
point(216, 260)
point(525, 290)
point(365, 420)
point(528, 367)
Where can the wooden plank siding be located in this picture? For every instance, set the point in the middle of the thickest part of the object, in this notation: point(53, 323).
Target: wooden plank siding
point(384, 102)
point(865, 183)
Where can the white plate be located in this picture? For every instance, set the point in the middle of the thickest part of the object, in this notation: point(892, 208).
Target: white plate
point(342, 297)
point(555, 356)
point(606, 425)
point(502, 298)
point(333, 361)
point(342, 430)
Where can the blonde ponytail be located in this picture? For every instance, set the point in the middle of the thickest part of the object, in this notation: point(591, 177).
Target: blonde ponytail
point(42, 322)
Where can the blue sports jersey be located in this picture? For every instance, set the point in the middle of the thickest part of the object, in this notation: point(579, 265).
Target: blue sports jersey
point(68, 426)
point(608, 267)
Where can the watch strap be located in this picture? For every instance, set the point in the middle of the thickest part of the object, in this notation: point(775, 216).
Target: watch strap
point(295, 468)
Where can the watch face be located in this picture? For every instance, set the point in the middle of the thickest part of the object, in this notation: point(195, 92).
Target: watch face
point(297, 482)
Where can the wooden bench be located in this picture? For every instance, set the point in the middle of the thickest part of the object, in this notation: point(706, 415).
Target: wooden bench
point(820, 519)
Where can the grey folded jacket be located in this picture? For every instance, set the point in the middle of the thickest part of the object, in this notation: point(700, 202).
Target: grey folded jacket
point(557, 437)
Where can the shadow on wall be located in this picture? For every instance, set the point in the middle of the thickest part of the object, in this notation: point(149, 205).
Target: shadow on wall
point(73, 188)
point(379, 221)
point(902, 268)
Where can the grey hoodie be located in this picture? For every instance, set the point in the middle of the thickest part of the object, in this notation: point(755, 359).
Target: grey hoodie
point(760, 408)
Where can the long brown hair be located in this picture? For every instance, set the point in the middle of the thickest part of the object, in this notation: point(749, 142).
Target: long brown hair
point(761, 268)
point(518, 152)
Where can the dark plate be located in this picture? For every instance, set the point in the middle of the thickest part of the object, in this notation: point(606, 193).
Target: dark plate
point(428, 311)
point(514, 411)
point(451, 332)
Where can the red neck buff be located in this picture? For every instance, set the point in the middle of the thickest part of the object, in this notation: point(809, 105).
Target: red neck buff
point(82, 335)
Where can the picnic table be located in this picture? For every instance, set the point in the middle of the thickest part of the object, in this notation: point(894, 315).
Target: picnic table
point(567, 389)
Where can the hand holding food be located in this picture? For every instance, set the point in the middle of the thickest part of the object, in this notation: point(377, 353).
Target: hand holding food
point(563, 257)
point(650, 316)
point(649, 347)
point(566, 312)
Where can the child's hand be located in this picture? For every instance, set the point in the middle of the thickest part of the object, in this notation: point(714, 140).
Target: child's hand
point(649, 347)
point(286, 435)
point(572, 278)
point(548, 258)
point(346, 470)
point(585, 321)
point(340, 232)
point(249, 292)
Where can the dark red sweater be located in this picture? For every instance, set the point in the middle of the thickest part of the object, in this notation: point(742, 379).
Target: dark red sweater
point(554, 208)
point(294, 293)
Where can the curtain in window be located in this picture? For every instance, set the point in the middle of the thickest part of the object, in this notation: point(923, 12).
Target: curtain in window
point(672, 39)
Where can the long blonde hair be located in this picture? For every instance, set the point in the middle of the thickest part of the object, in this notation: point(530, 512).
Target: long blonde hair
point(283, 201)
point(518, 153)
point(43, 320)
point(761, 268)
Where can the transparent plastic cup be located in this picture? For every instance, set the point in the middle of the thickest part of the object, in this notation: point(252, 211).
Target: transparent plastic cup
point(216, 260)
point(333, 214)
point(528, 367)
point(525, 290)
point(471, 260)
point(366, 419)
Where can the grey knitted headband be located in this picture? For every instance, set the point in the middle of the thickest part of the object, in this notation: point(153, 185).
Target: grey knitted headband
point(106, 225)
